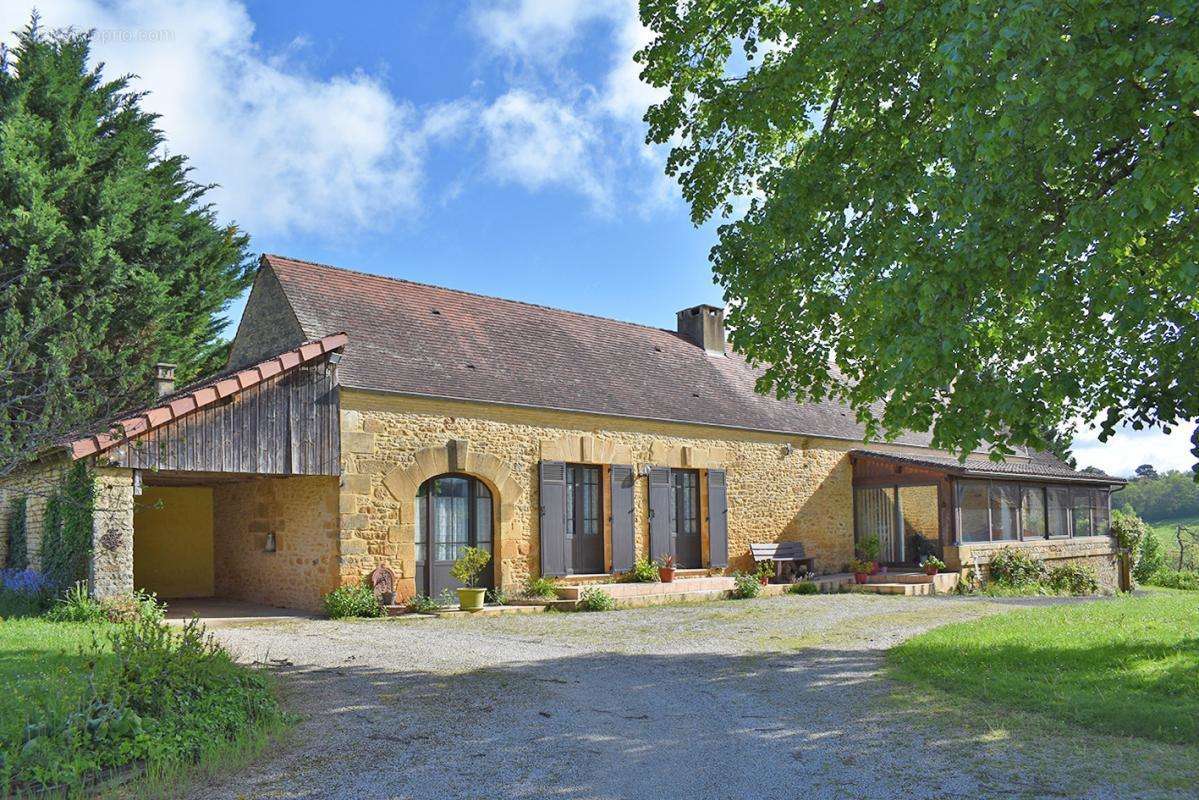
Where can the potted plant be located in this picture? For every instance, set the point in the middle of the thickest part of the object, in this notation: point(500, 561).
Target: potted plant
point(467, 569)
point(666, 568)
point(932, 565)
point(860, 570)
point(868, 550)
point(765, 571)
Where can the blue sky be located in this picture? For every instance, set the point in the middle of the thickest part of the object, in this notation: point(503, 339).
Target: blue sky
point(495, 146)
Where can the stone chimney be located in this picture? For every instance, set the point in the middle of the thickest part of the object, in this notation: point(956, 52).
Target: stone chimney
point(703, 326)
point(164, 378)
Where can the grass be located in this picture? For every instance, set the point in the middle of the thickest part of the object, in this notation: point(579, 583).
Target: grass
point(1166, 533)
point(41, 661)
point(1127, 666)
point(220, 714)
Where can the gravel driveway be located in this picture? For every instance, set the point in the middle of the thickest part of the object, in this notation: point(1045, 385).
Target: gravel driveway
point(770, 698)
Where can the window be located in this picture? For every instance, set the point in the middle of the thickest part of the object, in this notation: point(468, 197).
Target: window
point(686, 492)
point(1032, 500)
point(1059, 510)
point(583, 500)
point(1004, 502)
point(1103, 521)
point(453, 512)
point(974, 507)
point(1083, 500)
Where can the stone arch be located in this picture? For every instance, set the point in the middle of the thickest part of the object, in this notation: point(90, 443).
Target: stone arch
point(457, 456)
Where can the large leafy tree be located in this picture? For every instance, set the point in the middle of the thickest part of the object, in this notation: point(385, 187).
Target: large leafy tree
point(110, 259)
point(974, 218)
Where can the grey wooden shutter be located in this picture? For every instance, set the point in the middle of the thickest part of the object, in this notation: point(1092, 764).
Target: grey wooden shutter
point(622, 518)
point(553, 518)
point(718, 519)
point(661, 508)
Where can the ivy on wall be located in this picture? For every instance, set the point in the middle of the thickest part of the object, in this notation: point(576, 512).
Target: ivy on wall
point(18, 547)
point(67, 528)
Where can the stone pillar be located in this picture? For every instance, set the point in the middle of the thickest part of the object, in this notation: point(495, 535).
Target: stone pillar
point(111, 571)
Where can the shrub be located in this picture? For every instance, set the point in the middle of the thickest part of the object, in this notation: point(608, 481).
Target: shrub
point(1073, 579)
point(932, 561)
point(1017, 568)
point(76, 605)
point(766, 568)
point(470, 565)
point(67, 528)
point(1129, 529)
point(1176, 579)
point(1150, 559)
point(24, 593)
point(164, 696)
point(745, 586)
point(595, 599)
point(18, 544)
point(353, 600)
point(644, 571)
point(869, 548)
point(858, 566)
point(540, 587)
point(804, 587)
point(422, 604)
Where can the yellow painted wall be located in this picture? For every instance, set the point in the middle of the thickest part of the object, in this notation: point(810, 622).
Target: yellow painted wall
point(172, 541)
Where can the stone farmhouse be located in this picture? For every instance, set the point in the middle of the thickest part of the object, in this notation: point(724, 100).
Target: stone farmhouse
point(367, 421)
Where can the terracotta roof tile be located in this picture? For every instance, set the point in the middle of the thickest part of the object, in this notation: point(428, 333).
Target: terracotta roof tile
point(197, 395)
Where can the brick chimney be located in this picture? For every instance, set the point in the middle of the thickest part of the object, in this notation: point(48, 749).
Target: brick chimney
point(164, 378)
point(703, 326)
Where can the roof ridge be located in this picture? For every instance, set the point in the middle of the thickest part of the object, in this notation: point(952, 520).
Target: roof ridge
point(467, 293)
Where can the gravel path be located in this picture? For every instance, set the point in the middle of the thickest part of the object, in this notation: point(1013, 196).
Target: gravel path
point(771, 698)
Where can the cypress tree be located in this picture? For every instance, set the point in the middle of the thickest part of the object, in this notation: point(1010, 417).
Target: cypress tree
point(110, 257)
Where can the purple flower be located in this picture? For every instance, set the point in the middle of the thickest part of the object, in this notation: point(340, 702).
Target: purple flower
point(24, 581)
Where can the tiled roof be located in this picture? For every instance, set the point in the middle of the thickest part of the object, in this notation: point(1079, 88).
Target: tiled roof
point(416, 339)
point(982, 467)
point(202, 393)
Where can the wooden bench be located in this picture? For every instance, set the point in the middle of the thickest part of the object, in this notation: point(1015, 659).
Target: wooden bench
point(781, 553)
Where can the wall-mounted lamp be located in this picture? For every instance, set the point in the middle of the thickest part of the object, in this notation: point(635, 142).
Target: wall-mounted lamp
point(645, 470)
point(270, 545)
point(335, 357)
point(788, 449)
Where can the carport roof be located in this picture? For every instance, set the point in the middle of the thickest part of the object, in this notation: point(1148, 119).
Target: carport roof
point(198, 395)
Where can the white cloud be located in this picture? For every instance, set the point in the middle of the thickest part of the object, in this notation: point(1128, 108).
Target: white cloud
point(290, 150)
point(598, 124)
point(1128, 449)
point(536, 141)
point(540, 30)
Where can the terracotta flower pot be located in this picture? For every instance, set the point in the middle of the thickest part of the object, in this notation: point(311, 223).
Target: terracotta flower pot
point(860, 577)
point(874, 568)
point(931, 570)
point(666, 574)
point(764, 579)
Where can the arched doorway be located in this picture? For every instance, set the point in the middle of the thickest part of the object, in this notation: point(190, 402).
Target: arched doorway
point(453, 512)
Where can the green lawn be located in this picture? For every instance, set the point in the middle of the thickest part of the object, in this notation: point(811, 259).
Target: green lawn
point(1127, 666)
point(1165, 531)
point(41, 661)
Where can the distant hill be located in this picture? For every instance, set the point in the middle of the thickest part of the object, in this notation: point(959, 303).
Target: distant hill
point(1158, 497)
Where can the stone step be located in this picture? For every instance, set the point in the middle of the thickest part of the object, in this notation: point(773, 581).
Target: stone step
point(623, 590)
point(900, 577)
point(486, 611)
point(910, 589)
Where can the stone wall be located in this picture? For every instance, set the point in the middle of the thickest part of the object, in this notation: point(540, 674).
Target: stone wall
point(36, 483)
point(1099, 552)
point(779, 487)
point(268, 324)
point(112, 533)
point(302, 513)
